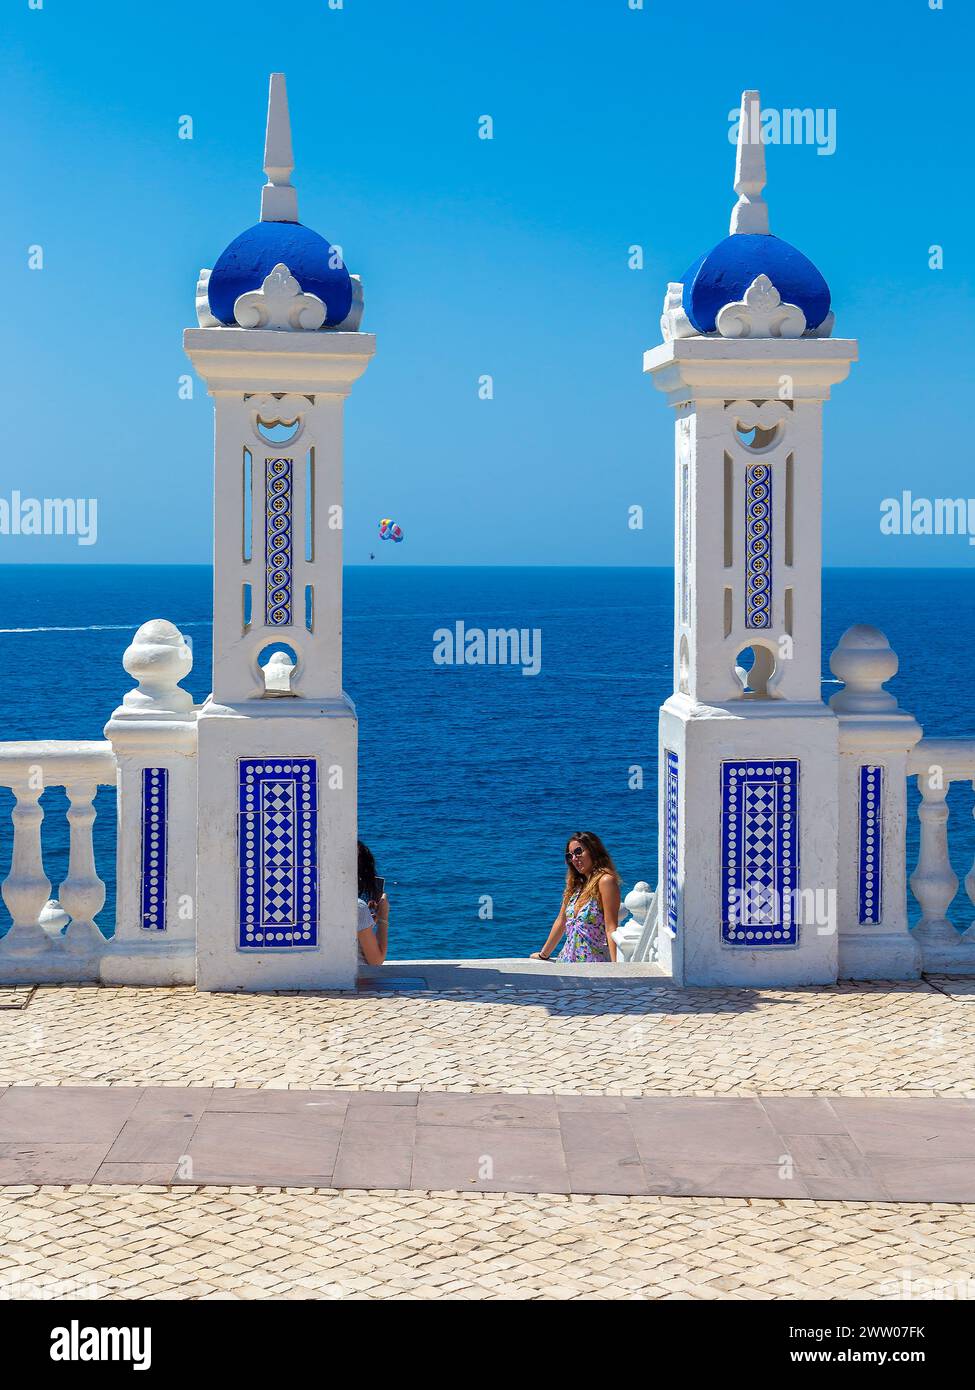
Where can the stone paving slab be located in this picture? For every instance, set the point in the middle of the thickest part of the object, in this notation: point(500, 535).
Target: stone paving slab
point(875, 1039)
point(867, 1149)
point(509, 975)
point(955, 986)
point(243, 1243)
point(14, 997)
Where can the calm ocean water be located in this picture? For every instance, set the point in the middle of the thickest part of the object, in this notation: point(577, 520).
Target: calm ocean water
point(471, 778)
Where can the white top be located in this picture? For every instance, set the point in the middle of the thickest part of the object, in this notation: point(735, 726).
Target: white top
point(750, 213)
point(279, 201)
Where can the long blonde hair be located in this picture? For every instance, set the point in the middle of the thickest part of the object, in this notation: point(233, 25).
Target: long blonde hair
point(587, 885)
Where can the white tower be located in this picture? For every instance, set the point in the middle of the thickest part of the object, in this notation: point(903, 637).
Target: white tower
point(748, 763)
point(279, 349)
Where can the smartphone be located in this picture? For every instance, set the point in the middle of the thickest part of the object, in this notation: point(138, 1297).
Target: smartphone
point(380, 888)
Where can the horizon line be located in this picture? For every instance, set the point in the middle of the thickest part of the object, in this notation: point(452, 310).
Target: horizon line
point(431, 565)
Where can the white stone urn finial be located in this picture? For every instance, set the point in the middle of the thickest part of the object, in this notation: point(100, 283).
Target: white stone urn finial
point(53, 917)
point(278, 671)
point(158, 658)
point(864, 660)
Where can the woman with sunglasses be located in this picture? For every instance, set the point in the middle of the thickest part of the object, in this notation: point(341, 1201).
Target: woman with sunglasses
point(590, 903)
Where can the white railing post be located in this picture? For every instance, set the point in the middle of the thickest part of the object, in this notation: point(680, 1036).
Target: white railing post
point(937, 763)
point(82, 894)
point(153, 734)
point(26, 888)
point(876, 739)
point(636, 939)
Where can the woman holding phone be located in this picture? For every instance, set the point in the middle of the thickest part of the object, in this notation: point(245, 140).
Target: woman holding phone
point(373, 924)
point(590, 904)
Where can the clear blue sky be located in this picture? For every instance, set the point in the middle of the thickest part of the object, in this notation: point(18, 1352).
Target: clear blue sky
point(506, 257)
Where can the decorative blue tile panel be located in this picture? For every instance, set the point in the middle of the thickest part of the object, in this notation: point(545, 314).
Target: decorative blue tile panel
point(758, 545)
point(673, 773)
point(278, 542)
point(155, 810)
point(277, 853)
point(871, 845)
point(759, 853)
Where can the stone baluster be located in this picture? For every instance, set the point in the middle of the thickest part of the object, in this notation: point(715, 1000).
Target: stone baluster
point(934, 882)
point(26, 888)
point(82, 894)
point(970, 881)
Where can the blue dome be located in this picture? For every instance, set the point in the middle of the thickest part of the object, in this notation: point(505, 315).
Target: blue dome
point(722, 276)
point(253, 255)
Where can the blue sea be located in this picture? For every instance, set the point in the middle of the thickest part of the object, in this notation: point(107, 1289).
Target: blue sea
point(471, 777)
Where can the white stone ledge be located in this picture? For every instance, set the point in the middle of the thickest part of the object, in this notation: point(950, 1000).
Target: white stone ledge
point(955, 756)
point(267, 359)
point(723, 368)
point(63, 761)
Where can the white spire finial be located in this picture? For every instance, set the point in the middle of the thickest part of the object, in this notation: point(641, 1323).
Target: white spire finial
point(279, 201)
point(750, 213)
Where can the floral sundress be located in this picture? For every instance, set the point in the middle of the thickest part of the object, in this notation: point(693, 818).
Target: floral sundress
point(585, 931)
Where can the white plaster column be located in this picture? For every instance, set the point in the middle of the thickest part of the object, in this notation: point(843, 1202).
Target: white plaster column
point(722, 391)
point(876, 740)
point(278, 767)
point(153, 734)
point(738, 764)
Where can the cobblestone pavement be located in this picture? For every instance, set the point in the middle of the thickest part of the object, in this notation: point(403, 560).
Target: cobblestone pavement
point(149, 1242)
point(911, 1039)
point(247, 1243)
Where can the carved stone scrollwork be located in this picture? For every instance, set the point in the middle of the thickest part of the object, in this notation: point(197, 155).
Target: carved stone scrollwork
point(352, 320)
point(269, 411)
point(825, 328)
point(674, 322)
point(761, 314)
point(769, 420)
point(203, 316)
point(280, 303)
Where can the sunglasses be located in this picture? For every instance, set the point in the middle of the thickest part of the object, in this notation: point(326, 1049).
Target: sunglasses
point(575, 853)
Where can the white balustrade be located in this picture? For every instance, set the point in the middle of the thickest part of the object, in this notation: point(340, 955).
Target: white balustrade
point(936, 763)
point(29, 951)
point(876, 739)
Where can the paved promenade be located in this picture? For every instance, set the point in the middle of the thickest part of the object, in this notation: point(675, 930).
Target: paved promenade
point(596, 1037)
point(211, 1242)
point(525, 1138)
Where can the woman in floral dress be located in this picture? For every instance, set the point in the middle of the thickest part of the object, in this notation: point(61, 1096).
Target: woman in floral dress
point(590, 904)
